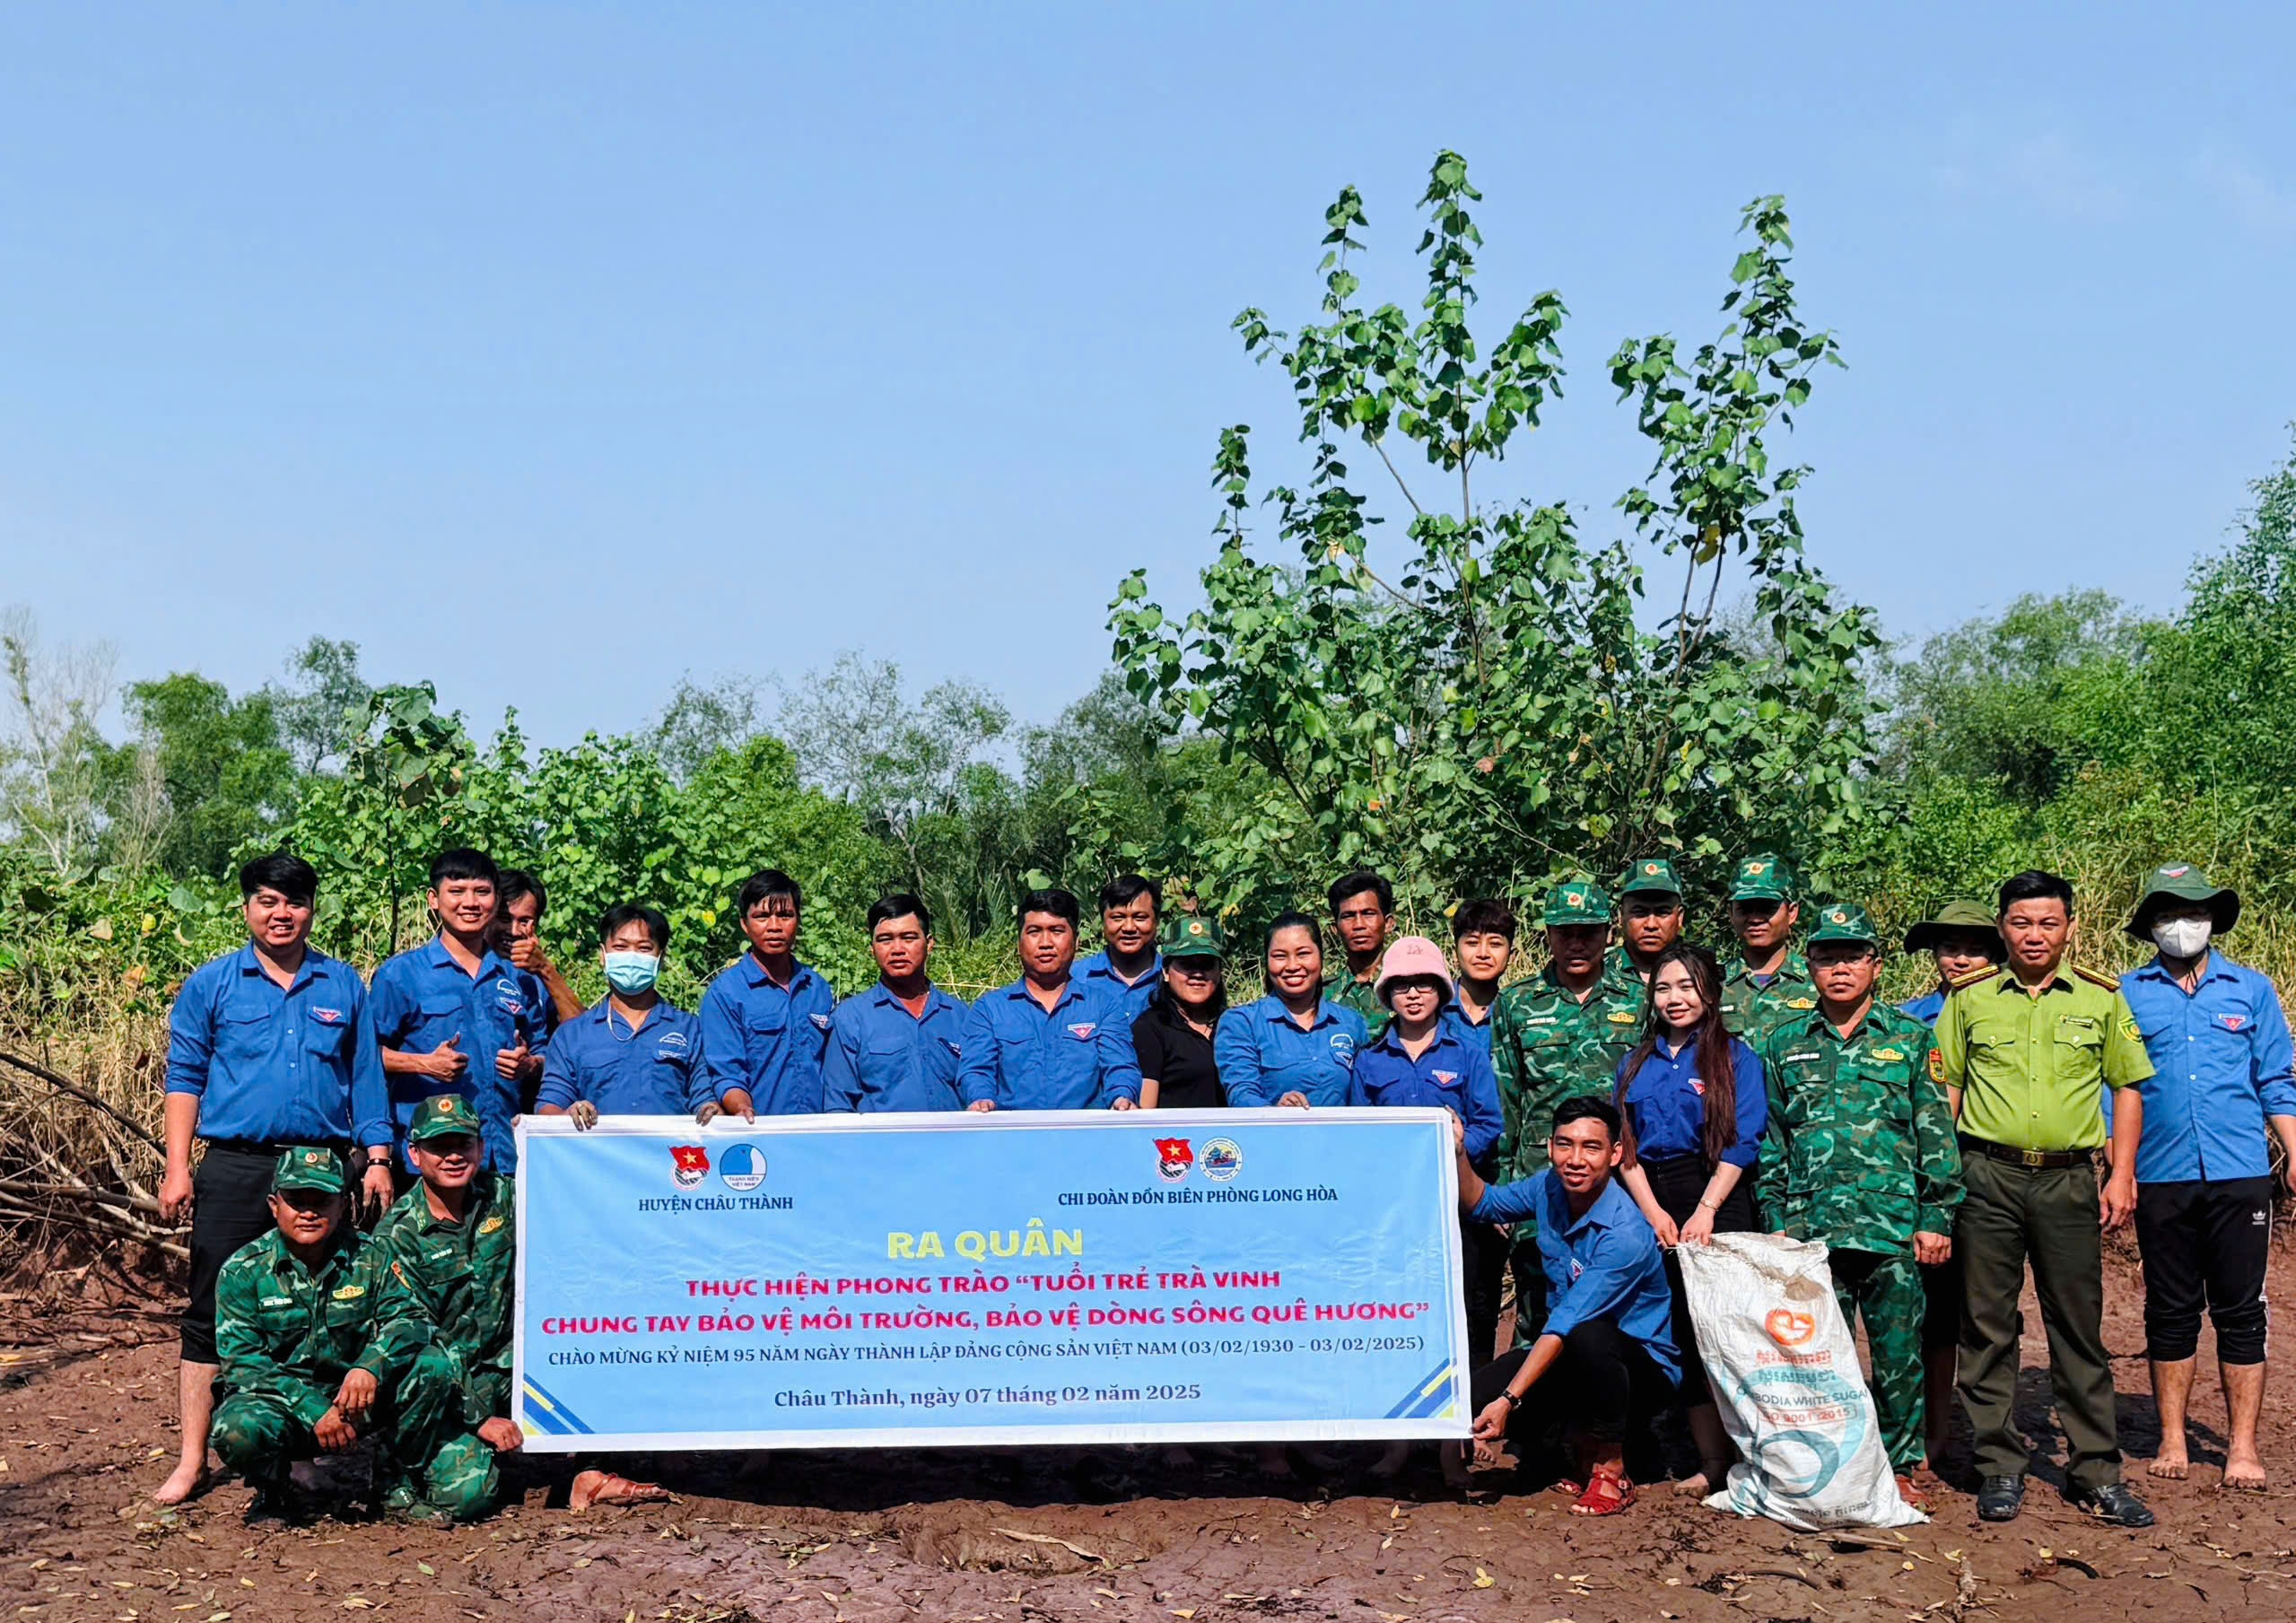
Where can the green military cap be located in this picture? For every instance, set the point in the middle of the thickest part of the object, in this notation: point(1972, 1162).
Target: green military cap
point(306, 1167)
point(2182, 882)
point(442, 1116)
point(1649, 873)
point(1763, 878)
point(1961, 914)
point(1191, 936)
point(1845, 921)
point(1576, 901)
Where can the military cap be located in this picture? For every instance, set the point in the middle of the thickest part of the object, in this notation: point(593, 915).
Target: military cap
point(1845, 921)
point(1762, 878)
point(1576, 901)
point(2182, 882)
point(1191, 936)
point(1649, 873)
point(442, 1116)
point(307, 1166)
point(1963, 913)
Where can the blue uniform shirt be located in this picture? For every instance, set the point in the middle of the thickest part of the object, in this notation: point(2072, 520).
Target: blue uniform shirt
point(1025, 1058)
point(1450, 1072)
point(278, 1065)
point(1926, 1008)
point(881, 1057)
point(1134, 996)
point(423, 997)
point(1604, 1264)
point(652, 1070)
point(2220, 1066)
point(1456, 1020)
point(1667, 1102)
point(764, 1039)
point(1263, 1053)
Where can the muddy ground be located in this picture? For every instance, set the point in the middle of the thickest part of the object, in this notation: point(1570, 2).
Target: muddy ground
point(87, 1427)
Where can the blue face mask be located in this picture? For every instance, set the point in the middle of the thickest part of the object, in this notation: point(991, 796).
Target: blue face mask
point(630, 974)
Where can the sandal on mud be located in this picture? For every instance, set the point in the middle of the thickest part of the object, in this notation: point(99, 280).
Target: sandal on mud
point(1606, 1493)
point(604, 1488)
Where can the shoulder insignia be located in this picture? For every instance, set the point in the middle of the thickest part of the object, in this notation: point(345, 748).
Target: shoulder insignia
point(2096, 977)
point(1937, 1067)
point(350, 1292)
point(2128, 1029)
point(1976, 977)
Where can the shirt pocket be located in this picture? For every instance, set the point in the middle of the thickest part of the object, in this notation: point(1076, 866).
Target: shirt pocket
point(445, 1009)
point(326, 1038)
point(2080, 1047)
point(242, 1037)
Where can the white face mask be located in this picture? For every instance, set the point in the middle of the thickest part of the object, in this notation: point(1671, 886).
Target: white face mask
point(2183, 938)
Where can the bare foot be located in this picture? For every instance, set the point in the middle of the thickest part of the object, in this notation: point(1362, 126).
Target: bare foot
point(2170, 1465)
point(1274, 1460)
point(186, 1481)
point(1392, 1460)
point(1697, 1484)
point(2244, 1473)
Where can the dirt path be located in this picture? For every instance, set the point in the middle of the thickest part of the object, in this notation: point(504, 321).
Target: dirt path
point(86, 1428)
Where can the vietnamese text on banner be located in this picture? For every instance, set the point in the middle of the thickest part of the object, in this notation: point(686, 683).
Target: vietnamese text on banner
point(1055, 1276)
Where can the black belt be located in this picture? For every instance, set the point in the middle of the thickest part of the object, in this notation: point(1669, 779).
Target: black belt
point(271, 1152)
point(2032, 1160)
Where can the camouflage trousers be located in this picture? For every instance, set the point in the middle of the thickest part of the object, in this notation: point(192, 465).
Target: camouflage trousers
point(435, 1449)
point(258, 1434)
point(1888, 1290)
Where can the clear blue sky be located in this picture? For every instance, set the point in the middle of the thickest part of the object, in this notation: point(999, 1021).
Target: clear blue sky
point(550, 352)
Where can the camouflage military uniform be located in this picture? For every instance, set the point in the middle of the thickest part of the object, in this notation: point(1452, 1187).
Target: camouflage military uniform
point(1860, 1154)
point(447, 1310)
point(1344, 990)
point(1748, 1009)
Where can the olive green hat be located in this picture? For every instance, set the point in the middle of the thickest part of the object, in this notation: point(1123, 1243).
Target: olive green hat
point(1961, 914)
point(443, 1116)
point(1845, 921)
point(1191, 936)
point(2182, 882)
point(1576, 901)
point(306, 1167)
point(1762, 878)
point(1649, 873)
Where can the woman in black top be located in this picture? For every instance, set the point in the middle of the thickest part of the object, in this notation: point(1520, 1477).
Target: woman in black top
point(1171, 1041)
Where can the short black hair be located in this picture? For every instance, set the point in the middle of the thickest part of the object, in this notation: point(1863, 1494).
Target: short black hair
point(898, 904)
point(2035, 885)
point(1128, 887)
point(1355, 883)
point(464, 863)
point(765, 885)
point(635, 912)
point(1052, 900)
point(1291, 919)
point(516, 882)
point(1583, 1107)
point(283, 871)
point(1483, 916)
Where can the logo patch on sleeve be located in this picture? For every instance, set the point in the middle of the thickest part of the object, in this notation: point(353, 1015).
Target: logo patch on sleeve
point(823, 1021)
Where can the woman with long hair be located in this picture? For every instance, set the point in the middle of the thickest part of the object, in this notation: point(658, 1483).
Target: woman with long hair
point(1693, 1107)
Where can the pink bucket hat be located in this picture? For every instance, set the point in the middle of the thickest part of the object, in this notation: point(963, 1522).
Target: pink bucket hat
point(1413, 958)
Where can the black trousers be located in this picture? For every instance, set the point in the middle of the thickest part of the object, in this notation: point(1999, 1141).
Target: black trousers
point(231, 1205)
point(1603, 1386)
point(1678, 1182)
point(1482, 1267)
point(1941, 1292)
point(2205, 1242)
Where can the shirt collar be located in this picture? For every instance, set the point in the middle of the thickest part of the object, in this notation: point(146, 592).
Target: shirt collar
point(1602, 1214)
point(488, 963)
point(1393, 1043)
point(1326, 1012)
point(1072, 991)
point(2218, 968)
point(1101, 967)
point(313, 966)
point(798, 973)
point(883, 997)
point(2007, 982)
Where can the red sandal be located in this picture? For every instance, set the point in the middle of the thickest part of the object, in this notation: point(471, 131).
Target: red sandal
point(1607, 1494)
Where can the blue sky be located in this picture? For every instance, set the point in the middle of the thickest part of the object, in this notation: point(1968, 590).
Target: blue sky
point(550, 352)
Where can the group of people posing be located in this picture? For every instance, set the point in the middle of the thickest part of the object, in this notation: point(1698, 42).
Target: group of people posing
point(1633, 1096)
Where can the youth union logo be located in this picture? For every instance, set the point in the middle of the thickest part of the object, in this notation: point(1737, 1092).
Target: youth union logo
point(1172, 1157)
point(689, 1164)
point(742, 1166)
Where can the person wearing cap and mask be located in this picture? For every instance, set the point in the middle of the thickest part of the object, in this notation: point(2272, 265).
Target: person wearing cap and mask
point(1162, 1060)
point(2220, 1079)
point(1859, 1153)
point(295, 1328)
point(632, 1054)
point(1650, 920)
point(1770, 981)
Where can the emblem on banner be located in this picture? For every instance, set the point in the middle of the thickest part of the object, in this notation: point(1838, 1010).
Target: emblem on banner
point(742, 1166)
point(1172, 1160)
point(689, 1165)
point(1222, 1159)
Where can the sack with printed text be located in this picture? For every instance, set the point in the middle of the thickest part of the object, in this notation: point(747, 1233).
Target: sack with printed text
point(1785, 1372)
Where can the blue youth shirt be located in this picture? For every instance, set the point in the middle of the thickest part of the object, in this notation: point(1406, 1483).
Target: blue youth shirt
point(1926, 1008)
point(1022, 1057)
point(423, 997)
point(766, 1040)
point(1131, 997)
point(883, 1058)
point(1457, 1021)
point(2220, 1062)
point(1263, 1053)
point(1603, 1265)
point(653, 1070)
point(278, 1065)
point(1667, 1103)
point(1450, 1072)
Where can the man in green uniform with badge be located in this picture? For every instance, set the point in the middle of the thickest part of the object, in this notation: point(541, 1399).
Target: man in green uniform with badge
point(1363, 911)
point(1860, 1154)
point(1650, 920)
point(1770, 981)
point(451, 1247)
point(295, 1334)
point(1560, 1032)
point(2025, 1051)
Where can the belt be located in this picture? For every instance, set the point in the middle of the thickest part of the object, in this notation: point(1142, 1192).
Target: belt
point(265, 1150)
point(2032, 1160)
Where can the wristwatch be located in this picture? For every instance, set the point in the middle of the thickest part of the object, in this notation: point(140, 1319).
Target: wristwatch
point(1513, 1399)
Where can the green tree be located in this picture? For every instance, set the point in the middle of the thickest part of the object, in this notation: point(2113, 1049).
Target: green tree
point(322, 708)
point(229, 781)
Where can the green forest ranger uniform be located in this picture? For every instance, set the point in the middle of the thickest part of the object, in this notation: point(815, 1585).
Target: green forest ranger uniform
point(2032, 1071)
point(286, 1335)
point(1548, 1045)
point(1860, 1154)
point(447, 1311)
point(1749, 1006)
point(1654, 875)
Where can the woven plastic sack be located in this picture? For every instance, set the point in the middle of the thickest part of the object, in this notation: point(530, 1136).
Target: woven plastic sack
point(1785, 1374)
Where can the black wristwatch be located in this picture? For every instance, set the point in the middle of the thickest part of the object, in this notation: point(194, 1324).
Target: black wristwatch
point(1513, 1400)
